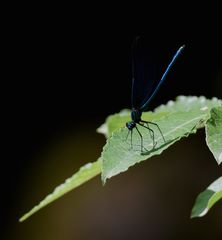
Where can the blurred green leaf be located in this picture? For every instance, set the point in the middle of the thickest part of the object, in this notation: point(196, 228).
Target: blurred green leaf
point(214, 133)
point(84, 174)
point(207, 199)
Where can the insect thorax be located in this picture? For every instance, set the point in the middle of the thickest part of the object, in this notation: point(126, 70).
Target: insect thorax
point(136, 118)
point(136, 115)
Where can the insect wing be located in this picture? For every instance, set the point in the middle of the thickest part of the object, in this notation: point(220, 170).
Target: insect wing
point(144, 72)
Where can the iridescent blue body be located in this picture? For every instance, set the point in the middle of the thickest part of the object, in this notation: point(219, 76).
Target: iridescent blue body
point(140, 101)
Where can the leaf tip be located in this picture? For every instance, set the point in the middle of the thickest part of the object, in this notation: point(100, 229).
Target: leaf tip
point(220, 159)
point(22, 219)
point(103, 179)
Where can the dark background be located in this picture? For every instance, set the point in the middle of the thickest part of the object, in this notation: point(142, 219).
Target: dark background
point(65, 71)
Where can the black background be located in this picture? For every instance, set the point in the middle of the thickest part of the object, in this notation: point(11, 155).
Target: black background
point(65, 71)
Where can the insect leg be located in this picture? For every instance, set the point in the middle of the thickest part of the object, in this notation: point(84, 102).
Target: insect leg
point(131, 138)
point(127, 135)
point(151, 134)
point(141, 137)
point(156, 126)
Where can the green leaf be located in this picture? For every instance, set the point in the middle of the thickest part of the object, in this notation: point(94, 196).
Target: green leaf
point(176, 119)
point(187, 103)
point(214, 133)
point(182, 103)
point(84, 174)
point(118, 120)
point(207, 199)
point(114, 122)
point(118, 156)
